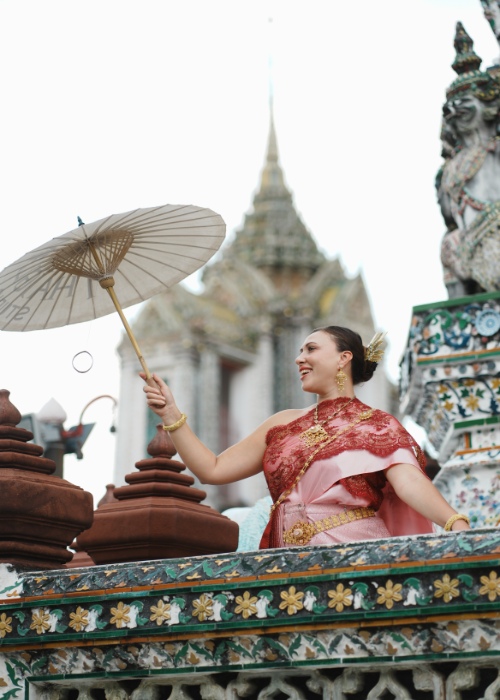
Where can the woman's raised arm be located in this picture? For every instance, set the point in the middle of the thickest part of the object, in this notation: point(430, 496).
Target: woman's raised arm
point(237, 462)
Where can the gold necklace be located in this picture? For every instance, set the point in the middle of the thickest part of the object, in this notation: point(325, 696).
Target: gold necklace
point(316, 433)
point(365, 415)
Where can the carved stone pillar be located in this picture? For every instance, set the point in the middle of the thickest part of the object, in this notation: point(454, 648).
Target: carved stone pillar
point(450, 385)
point(209, 393)
point(40, 514)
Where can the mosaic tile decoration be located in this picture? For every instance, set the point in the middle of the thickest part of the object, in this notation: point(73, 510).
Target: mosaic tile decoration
point(261, 564)
point(313, 587)
point(468, 326)
point(450, 407)
point(462, 333)
point(325, 647)
point(418, 599)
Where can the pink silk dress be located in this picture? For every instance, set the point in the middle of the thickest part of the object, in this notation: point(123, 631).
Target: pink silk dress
point(347, 473)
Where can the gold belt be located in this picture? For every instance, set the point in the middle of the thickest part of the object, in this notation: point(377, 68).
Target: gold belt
point(302, 532)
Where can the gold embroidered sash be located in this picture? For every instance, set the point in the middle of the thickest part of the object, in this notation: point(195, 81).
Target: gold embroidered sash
point(302, 532)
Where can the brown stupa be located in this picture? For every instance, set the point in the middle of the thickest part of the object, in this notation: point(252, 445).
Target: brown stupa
point(40, 514)
point(81, 558)
point(159, 515)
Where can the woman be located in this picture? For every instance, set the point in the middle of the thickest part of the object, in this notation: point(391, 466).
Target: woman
point(337, 471)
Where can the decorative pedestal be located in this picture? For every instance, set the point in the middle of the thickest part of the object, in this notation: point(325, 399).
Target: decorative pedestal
point(158, 515)
point(450, 385)
point(40, 514)
point(404, 617)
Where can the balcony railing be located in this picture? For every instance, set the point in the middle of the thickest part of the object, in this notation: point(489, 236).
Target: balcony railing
point(413, 617)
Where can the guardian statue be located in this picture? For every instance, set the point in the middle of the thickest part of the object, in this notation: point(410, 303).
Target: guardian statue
point(468, 183)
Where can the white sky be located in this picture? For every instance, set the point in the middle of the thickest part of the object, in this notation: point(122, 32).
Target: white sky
point(109, 105)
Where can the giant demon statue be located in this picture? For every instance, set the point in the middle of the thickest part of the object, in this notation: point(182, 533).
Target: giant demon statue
point(468, 183)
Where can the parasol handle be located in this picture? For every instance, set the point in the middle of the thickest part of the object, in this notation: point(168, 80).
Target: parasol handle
point(108, 284)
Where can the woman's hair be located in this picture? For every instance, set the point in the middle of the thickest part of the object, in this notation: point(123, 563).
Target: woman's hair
point(345, 339)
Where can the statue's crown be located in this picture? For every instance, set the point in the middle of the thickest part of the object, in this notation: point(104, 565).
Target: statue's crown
point(466, 66)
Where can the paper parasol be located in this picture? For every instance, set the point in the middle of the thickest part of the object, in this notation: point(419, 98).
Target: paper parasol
point(132, 256)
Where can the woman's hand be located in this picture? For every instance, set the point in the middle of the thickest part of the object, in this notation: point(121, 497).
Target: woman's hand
point(160, 399)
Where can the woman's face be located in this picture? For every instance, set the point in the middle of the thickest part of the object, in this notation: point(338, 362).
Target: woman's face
point(319, 361)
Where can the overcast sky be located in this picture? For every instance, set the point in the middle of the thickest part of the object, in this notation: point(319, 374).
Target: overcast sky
point(109, 105)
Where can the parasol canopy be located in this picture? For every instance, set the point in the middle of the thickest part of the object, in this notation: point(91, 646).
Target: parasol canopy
point(132, 256)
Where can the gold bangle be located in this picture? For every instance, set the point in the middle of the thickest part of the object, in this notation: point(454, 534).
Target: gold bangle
point(176, 425)
point(458, 516)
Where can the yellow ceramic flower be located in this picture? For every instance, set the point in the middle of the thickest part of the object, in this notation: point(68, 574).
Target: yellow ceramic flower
point(5, 627)
point(446, 588)
point(202, 607)
point(160, 612)
point(79, 619)
point(291, 600)
point(246, 605)
point(472, 402)
point(491, 586)
point(119, 615)
point(390, 594)
point(40, 621)
point(340, 597)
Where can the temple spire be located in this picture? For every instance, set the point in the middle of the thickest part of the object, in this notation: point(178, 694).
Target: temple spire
point(272, 181)
point(272, 142)
point(272, 146)
point(273, 237)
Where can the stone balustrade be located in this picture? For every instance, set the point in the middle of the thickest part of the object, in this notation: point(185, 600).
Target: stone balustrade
point(411, 617)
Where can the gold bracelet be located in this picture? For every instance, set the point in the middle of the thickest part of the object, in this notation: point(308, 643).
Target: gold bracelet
point(176, 425)
point(458, 516)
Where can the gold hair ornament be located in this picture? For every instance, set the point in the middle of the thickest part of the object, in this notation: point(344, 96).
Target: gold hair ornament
point(373, 351)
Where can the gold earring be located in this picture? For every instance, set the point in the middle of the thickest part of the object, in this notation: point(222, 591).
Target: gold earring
point(341, 379)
